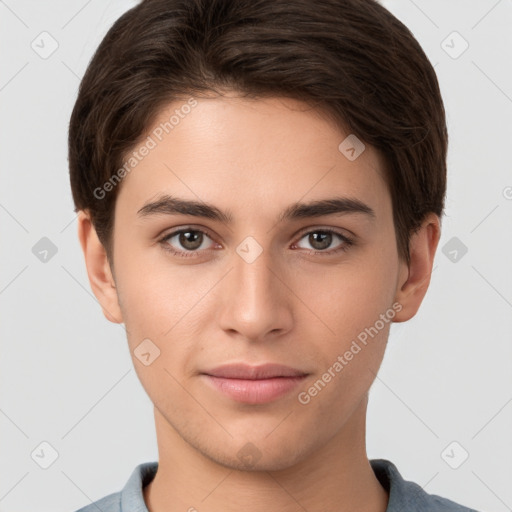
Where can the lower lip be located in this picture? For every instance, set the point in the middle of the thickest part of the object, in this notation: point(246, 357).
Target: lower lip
point(259, 391)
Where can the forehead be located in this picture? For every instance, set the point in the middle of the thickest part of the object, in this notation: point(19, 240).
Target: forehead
point(249, 154)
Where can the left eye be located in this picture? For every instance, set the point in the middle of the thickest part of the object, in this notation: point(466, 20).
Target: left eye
point(321, 239)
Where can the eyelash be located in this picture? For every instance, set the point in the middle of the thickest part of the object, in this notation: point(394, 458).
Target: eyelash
point(347, 242)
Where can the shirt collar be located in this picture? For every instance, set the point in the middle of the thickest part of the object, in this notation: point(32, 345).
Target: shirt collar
point(132, 498)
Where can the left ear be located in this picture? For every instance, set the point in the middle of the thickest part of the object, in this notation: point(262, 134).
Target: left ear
point(414, 279)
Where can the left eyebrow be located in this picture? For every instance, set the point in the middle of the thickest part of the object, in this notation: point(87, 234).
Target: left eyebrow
point(334, 206)
point(168, 205)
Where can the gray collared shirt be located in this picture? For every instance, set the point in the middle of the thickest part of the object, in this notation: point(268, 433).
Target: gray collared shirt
point(404, 495)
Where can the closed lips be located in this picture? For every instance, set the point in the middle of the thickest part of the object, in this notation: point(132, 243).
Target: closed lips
point(248, 372)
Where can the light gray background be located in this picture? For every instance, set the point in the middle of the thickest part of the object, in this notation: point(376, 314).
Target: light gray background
point(66, 375)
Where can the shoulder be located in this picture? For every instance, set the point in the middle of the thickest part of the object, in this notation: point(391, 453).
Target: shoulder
point(415, 496)
point(407, 495)
point(110, 503)
point(130, 497)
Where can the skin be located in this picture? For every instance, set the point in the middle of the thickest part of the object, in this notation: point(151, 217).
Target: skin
point(254, 158)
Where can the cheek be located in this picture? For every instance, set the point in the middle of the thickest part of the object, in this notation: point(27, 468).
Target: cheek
point(354, 300)
point(347, 365)
point(154, 295)
point(351, 296)
point(167, 305)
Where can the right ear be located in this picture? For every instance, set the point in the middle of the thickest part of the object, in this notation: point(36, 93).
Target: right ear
point(98, 268)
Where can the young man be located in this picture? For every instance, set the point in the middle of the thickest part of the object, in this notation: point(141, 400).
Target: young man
point(260, 186)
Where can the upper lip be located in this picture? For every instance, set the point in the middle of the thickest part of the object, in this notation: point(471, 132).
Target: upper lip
point(245, 371)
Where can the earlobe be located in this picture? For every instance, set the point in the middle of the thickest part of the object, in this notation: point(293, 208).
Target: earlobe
point(98, 269)
point(414, 279)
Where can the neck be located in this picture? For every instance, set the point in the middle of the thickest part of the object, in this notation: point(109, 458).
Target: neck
point(336, 477)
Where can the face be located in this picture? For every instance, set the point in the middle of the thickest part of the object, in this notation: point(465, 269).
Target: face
point(258, 271)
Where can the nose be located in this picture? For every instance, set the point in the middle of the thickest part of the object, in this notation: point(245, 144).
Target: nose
point(255, 300)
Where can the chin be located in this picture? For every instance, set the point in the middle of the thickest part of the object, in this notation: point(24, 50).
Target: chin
point(253, 458)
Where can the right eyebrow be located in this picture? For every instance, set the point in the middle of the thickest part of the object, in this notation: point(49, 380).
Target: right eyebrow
point(168, 205)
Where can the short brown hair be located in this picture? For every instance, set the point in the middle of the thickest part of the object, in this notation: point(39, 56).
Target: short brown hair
point(352, 59)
